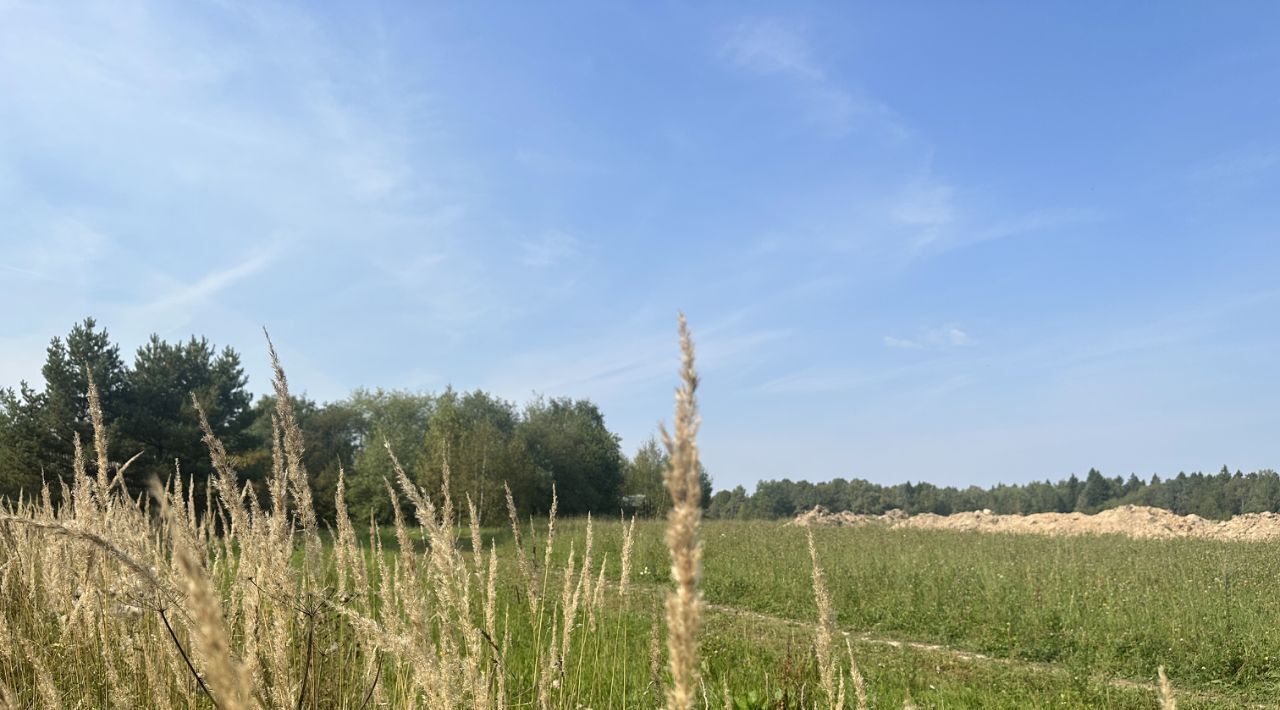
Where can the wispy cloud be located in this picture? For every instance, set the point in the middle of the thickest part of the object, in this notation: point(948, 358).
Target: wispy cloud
point(948, 336)
point(182, 300)
point(1236, 167)
point(769, 47)
point(941, 227)
point(926, 209)
point(64, 252)
point(628, 360)
point(549, 249)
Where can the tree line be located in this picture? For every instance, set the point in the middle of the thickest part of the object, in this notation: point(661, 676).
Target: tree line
point(1217, 496)
point(487, 442)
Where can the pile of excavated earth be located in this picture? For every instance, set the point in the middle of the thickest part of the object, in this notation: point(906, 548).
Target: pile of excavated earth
point(1130, 520)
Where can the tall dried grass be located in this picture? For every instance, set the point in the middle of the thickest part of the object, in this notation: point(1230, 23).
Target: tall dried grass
point(169, 601)
point(684, 604)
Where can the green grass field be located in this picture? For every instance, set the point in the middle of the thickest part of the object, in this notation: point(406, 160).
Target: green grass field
point(1023, 621)
point(947, 619)
point(107, 604)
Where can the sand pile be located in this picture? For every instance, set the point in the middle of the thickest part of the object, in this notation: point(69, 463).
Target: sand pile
point(1130, 520)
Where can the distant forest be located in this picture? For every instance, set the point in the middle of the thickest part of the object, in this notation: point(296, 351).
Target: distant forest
point(488, 442)
point(1216, 496)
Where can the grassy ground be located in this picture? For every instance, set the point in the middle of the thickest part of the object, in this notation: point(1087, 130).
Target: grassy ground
point(950, 620)
point(1059, 622)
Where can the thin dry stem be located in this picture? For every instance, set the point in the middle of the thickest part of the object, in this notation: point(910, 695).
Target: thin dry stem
point(825, 630)
point(684, 604)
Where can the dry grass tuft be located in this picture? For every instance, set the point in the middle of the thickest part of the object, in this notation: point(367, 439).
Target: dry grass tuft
point(825, 632)
point(684, 605)
point(236, 602)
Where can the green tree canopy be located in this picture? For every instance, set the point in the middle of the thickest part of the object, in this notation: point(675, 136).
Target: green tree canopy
point(480, 436)
point(62, 409)
point(644, 475)
point(568, 440)
point(159, 419)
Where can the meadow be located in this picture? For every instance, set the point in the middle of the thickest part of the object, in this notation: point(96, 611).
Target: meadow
point(173, 601)
point(967, 619)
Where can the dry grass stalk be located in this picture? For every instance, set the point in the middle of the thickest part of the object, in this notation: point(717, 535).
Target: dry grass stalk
point(568, 604)
point(212, 643)
point(583, 592)
point(99, 437)
point(491, 595)
point(549, 543)
point(141, 570)
point(294, 448)
point(855, 675)
point(48, 692)
point(403, 540)
point(522, 561)
point(473, 522)
point(825, 630)
point(655, 660)
point(597, 597)
point(83, 499)
point(228, 489)
point(350, 561)
point(684, 605)
point(628, 543)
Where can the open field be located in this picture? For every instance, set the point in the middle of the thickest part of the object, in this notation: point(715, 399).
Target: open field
point(966, 619)
point(989, 354)
point(953, 619)
point(172, 601)
point(1055, 621)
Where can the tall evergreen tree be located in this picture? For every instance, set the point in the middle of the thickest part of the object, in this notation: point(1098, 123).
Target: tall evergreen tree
point(1095, 492)
point(62, 409)
point(160, 420)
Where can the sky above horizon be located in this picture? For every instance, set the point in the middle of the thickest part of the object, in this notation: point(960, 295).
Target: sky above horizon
point(955, 242)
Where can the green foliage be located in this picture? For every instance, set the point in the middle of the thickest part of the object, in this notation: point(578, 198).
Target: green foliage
point(728, 505)
point(331, 434)
point(569, 441)
point(1096, 491)
point(755, 700)
point(20, 442)
point(487, 441)
point(643, 476)
point(157, 417)
point(397, 418)
point(1217, 496)
point(480, 435)
point(61, 410)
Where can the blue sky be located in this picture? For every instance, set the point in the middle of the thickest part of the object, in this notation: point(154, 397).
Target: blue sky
point(957, 242)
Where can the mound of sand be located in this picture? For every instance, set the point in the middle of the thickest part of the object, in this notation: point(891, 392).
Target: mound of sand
point(1130, 520)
